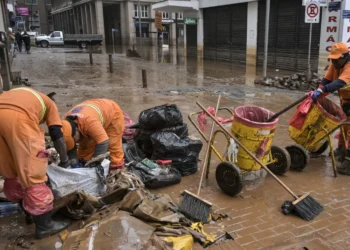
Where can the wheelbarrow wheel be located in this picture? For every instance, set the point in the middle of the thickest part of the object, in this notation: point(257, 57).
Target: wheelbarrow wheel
point(229, 178)
point(282, 157)
point(299, 156)
point(321, 150)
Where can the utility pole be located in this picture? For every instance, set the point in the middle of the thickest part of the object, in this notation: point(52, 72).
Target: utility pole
point(31, 16)
point(266, 45)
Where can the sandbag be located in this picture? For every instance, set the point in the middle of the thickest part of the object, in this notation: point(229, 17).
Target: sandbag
point(64, 181)
point(184, 152)
point(157, 177)
point(160, 117)
point(143, 136)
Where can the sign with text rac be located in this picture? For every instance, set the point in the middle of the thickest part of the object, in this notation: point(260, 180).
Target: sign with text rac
point(312, 13)
point(190, 21)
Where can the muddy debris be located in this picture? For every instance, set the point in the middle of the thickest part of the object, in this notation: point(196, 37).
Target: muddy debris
point(296, 81)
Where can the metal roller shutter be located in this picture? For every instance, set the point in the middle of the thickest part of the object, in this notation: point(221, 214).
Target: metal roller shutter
point(191, 33)
point(288, 36)
point(225, 33)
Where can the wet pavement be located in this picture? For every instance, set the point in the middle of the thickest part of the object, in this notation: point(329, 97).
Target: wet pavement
point(255, 220)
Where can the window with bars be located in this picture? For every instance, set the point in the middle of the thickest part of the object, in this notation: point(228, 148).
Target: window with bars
point(144, 11)
point(180, 15)
point(165, 15)
point(31, 2)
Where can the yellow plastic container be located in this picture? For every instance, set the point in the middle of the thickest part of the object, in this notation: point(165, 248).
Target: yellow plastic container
point(256, 135)
point(322, 117)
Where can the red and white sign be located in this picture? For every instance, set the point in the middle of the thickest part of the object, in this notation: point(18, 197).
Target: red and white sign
point(312, 13)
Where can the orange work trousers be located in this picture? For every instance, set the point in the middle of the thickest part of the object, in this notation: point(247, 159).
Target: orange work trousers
point(20, 142)
point(115, 133)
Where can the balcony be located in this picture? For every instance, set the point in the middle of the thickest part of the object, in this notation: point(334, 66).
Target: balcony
point(176, 6)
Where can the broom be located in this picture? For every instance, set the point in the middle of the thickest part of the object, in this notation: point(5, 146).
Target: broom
point(192, 206)
point(304, 206)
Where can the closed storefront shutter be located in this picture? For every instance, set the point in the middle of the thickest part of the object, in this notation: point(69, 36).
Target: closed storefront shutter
point(225, 33)
point(191, 33)
point(288, 36)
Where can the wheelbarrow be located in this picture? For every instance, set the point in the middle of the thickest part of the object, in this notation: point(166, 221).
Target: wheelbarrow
point(314, 135)
point(311, 128)
point(257, 136)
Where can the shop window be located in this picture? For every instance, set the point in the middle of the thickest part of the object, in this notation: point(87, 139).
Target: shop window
point(144, 11)
point(144, 30)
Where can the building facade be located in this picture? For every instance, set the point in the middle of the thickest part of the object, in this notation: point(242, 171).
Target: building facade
point(34, 15)
point(116, 20)
point(234, 31)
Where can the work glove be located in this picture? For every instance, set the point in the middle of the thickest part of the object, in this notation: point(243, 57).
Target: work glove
point(316, 94)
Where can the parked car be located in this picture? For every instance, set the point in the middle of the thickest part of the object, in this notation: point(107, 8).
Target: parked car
point(57, 38)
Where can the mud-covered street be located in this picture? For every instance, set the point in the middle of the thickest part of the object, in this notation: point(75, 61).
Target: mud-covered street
point(254, 218)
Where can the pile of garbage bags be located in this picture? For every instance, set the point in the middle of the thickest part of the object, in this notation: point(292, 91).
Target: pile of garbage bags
point(162, 135)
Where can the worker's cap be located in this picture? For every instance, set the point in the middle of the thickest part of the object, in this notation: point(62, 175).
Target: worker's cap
point(338, 49)
point(68, 130)
point(10, 29)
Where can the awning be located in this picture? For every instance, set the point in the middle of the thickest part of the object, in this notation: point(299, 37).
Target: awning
point(176, 6)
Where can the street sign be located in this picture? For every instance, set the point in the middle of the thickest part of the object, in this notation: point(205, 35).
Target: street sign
point(334, 6)
point(312, 13)
point(190, 21)
point(323, 3)
point(158, 20)
point(346, 14)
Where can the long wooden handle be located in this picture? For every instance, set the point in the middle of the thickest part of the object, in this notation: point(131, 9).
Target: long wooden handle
point(248, 152)
point(208, 146)
point(286, 109)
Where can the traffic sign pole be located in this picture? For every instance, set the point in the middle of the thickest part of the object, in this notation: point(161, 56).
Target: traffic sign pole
point(312, 15)
point(309, 55)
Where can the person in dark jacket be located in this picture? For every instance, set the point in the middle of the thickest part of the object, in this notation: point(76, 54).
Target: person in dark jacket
point(26, 40)
point(18, 38)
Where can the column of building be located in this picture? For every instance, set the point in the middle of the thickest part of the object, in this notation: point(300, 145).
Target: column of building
point(252, 33)
point(99, 18)
point(200, 34)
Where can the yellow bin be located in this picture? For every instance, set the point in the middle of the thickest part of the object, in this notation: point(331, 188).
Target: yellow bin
point(322, 117)
point(256, 135)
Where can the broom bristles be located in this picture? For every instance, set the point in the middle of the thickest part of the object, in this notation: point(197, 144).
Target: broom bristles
point(308, 208)
point(194, 208)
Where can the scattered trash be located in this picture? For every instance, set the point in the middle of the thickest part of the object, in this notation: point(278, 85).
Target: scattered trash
point(66, 181)
point(58, 245)
point(119, 231)
point(180, 243)
point(9, 208)
point(184, 153)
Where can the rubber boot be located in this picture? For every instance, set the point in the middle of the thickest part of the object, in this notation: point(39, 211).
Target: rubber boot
point(29, 217)
point(45, 226)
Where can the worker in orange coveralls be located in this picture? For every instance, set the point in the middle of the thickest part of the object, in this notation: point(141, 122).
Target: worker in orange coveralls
point(23, 156)
point(337, 78)
point(98, 126)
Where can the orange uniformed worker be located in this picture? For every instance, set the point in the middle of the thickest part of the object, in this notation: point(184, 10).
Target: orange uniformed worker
point(23, 155)
point(337, 78)
point(98, 126)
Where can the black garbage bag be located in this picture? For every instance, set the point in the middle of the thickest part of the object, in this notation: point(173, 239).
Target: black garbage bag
point(156, 178)
point(143, 136)
point(184, 152)
point(159, 117)
point(132, 152)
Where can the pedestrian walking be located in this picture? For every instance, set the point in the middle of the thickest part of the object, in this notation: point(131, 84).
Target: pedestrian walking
point(26, 41)
point(18, 38)
point(11, 39)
